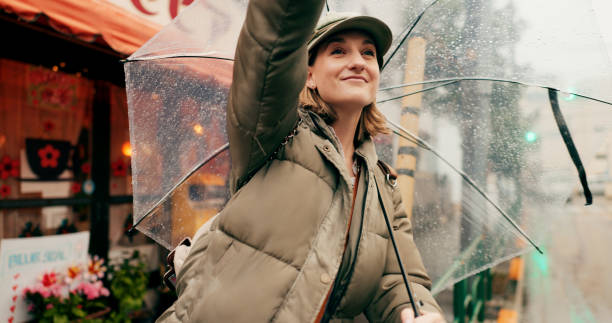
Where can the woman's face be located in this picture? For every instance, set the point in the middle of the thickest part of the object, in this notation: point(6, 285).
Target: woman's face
point(345, 71)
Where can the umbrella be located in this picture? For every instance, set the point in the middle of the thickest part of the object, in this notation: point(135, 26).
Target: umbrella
point(475, 91)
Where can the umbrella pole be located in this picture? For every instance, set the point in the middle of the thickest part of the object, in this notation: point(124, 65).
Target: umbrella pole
point(415, 306)
point(411, 105)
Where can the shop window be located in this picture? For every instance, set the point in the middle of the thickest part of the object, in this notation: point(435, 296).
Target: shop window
point(45, 145)
point(45, 126)
point(33, 222)
point(120, 148)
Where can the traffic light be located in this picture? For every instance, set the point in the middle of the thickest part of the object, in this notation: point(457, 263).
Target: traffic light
point(541, 263)
point(531, 136)
point(570, 95)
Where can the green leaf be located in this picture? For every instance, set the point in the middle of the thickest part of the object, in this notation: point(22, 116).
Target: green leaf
point(60, 319)
point(78, 312)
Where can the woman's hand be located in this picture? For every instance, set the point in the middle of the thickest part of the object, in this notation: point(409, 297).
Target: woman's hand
point(427, 317)
point(181, 252)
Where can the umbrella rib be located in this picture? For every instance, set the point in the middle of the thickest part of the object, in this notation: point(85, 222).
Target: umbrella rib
point(472, 206)
point(484, 78)
point(459, 260)
point(439, 283)
point(168, 56)
point(181, 181)
point(422, 143)
point(419, 91)
point(408, 31)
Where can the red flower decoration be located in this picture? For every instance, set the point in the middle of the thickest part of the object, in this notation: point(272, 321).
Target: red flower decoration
point(47, 94)
point(119, 168)
point(48, 156)
point(75, 187)
point(5, 190)
point(9, 167)
point(86, 168)
point(64, 96)
point(48, 126)
point(48, 279)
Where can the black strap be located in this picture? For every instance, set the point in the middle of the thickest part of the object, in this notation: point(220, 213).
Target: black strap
point(569, 143)
point(384, 206)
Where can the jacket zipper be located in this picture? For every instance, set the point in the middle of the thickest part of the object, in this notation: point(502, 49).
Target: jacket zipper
point(337, 295)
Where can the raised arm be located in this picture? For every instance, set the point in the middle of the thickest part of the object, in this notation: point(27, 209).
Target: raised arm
point(270, 70)
point(391, 297)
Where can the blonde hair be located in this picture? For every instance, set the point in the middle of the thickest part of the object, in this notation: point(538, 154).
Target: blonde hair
point(371, 123)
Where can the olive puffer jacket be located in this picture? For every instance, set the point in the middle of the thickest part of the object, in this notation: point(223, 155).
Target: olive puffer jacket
point(275, 250)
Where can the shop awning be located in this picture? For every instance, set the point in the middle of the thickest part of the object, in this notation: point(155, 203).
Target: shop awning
point(88, 20)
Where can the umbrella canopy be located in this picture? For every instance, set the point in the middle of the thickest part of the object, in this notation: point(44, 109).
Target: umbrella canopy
point(467, 89)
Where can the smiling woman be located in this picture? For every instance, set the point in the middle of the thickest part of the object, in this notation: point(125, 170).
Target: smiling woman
point(343, 77)
point(306, 235)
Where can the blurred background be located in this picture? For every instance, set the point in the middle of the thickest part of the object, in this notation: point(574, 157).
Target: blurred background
point(66, 154)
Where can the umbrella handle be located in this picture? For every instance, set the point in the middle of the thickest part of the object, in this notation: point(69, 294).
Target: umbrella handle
point(415, 306)
point(170, 274)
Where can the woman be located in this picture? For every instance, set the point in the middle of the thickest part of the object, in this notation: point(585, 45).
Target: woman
point(303, 238)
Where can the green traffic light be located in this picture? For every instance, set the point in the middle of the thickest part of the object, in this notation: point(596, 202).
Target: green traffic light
point(541, 263)
point(570, 95)
point(531, 136)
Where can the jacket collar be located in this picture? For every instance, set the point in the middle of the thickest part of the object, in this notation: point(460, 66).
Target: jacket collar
point(366, 148)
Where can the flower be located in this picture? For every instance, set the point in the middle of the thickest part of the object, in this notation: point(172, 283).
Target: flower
point(92, 290)
point(47, 286)
point(65, 291)
point(73, 273)
point(48, 279)
point(56, 97)
point(75, 187)
point(5, 190)
point(9, 167)
point(48, 156)
point(47, 94)
point(96, 268)
point(64, 95)
point(48, 126)
point(86, 168)
point(119, 168)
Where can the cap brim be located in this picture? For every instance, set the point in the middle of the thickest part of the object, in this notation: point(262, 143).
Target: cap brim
point(377, 29)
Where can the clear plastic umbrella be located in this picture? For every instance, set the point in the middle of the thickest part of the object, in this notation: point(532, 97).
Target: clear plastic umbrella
point(467, 91)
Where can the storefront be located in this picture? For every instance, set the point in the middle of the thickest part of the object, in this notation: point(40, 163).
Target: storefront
point(64, 138)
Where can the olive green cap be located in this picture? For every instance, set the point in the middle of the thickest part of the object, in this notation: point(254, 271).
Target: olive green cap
point(334, 22)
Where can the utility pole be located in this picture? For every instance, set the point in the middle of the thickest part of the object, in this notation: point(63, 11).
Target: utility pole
point(411, 106)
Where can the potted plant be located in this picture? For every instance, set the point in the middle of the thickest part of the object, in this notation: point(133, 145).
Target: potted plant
point(128, 285)
point(73, 295)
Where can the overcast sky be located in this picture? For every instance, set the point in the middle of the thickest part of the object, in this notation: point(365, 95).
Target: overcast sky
point(603, 9)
